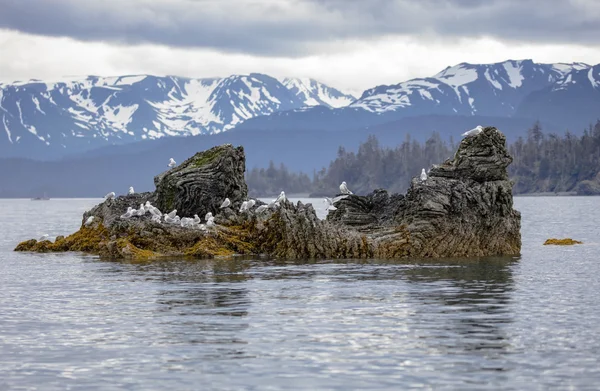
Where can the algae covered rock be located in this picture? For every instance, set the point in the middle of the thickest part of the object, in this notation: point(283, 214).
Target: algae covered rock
point(201, 183)
point(561, 242)
point(464, 208)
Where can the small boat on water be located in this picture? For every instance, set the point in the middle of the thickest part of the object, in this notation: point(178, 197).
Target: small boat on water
point(44, 198)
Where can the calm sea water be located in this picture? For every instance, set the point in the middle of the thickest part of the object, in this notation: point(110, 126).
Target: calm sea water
point(70, 321)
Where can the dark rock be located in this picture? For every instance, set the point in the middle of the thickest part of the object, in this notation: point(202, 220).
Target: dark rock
point(201, 183)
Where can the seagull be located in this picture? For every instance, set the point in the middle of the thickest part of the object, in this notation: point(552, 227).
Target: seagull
point(130, 212)
point(473, 132)
point(141, 211)
point(156, 218)
point(344, 189)
point(251, 203)
point(244, 206)
point(225, 203)
point(281, 197)
point(44, 237)
point(172, 214)
point(131, 191)
point(197, 219)
point(172, 163)
point(110, 195)
point(261, 209)
point(154, 211)
point(187, 221)
point(208, 216)
point(172, 220)
point(210, 222)
point(331, 201)
point(423, 175)
point(89, 221)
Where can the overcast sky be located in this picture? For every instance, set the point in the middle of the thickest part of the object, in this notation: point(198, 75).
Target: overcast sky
point(349, 44)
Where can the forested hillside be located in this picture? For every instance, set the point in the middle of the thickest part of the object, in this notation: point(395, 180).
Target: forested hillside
point(542, 163)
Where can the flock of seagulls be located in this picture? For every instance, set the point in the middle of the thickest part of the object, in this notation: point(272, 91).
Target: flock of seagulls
point(172, 218)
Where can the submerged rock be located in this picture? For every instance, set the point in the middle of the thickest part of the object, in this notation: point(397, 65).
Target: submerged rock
point(561, 242)
point(463, 208)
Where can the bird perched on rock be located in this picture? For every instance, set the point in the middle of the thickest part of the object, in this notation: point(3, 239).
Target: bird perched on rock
point(281, 197)
point(172, 163)
point(261, 209)
point(331, 201)
point(225, 203)
point(110, 195)
point(197, 219)
point(251, 203)
point(210, 222)
point(130, 212)
point(473, 132)
point(208, 216)
point(172, 214)
point(44, 237)
point(423, 175)
point(156, 218)
point(89, 221)
point(244, 206)
point(131, 191)
point(344, 189)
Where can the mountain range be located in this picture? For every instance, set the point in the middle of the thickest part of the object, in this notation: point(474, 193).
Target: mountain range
point(50, 119)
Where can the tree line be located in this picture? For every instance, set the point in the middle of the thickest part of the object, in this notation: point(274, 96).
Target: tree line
point(542, 163)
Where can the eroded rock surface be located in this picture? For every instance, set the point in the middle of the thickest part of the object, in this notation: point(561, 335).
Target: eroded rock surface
point(464, 208)
point(201, 183)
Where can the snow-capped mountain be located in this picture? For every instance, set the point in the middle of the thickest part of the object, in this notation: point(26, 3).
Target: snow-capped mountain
point(93, 110)
point(47, 119)
point(314, 93)
point(467, 89)
point(573, 100)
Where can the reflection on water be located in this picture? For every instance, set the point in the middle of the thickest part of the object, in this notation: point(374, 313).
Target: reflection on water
point(493, 323)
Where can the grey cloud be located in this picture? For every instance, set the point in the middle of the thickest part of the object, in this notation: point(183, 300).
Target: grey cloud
point(300, 27)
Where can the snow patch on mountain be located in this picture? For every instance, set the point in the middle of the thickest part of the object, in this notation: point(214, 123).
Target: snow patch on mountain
point(315, 93)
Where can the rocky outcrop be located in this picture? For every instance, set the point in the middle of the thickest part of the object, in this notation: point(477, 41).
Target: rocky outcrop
point(200, 184)
point(464, 208)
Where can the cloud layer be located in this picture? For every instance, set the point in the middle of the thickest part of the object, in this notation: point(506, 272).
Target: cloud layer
point(296, 28)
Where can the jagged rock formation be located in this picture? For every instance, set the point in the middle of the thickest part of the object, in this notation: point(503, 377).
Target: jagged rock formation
point(201, 183)
point(464, 208)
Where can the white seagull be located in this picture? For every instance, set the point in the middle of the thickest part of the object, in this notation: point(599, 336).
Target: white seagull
point(172, 163)
point(130, 212)
point(197, 219)
point(261, 209)
point(331, 201)
point(344, 189)
point(172, 214)
point(281, 197)
point(210, 222)
point(423, 175)
point(208, 216)
point(225, 203)
point(244, 206)
point(131, 191)
point(44, 237)
point(89, 221)
point(251, 203)
point(110, 195)
point(473, 132)
point(156, 218)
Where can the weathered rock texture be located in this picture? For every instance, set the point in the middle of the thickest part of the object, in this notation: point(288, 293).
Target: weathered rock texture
point(464, 208)
point(201, 183)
